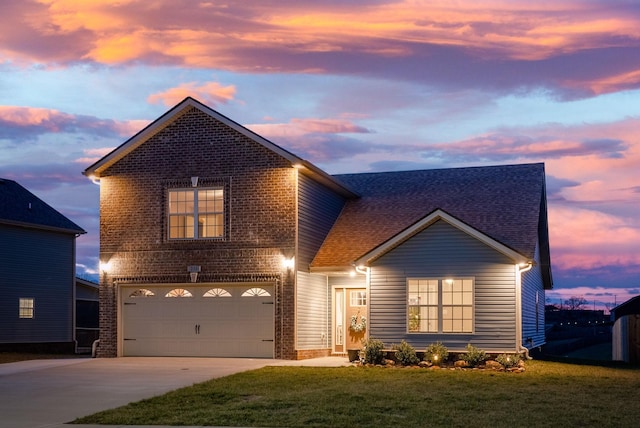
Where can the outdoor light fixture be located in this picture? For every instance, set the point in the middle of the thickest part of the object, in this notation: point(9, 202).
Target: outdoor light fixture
point(288, 263)
point(104, 267)
point(194, 181)
point(193, 272)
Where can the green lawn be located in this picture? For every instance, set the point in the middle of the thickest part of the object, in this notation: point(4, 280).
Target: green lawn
point(546, 394)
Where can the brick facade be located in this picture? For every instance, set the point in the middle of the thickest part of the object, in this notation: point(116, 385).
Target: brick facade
point(260, 218)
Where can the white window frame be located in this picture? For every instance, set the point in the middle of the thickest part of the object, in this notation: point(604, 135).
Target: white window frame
point(441, 305)
point(26, 307)
point(358, 298)
point(189, 218)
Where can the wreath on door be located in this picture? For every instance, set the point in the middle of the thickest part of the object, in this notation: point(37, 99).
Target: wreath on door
point(358, 326)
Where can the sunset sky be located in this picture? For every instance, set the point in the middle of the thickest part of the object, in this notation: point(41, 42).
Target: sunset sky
point(352, 86)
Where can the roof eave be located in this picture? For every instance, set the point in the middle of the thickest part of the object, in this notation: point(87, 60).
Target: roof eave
point(78, 231)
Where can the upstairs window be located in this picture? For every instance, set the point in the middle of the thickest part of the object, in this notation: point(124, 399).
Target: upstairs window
point(196, 213)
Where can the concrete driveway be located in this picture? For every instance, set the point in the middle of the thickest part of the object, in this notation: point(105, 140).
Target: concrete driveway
point(49, 393)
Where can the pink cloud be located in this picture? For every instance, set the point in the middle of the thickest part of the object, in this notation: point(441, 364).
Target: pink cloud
point(588, 239)
point(25, 123)
point(93, 155)
point(211, 93)
point(300, 127)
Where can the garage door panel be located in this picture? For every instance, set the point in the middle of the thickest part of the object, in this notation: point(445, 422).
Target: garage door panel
point(232, 326)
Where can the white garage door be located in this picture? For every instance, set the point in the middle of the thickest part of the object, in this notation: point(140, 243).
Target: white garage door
point(210, 321)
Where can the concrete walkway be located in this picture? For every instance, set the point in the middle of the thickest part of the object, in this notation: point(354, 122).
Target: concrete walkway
point(50, 393)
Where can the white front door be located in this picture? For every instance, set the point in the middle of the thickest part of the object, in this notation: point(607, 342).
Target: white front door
point(349, 318)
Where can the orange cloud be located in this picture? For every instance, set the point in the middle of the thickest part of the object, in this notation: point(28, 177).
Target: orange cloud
point(211, 93)
point(209, 35)
point(608, 84)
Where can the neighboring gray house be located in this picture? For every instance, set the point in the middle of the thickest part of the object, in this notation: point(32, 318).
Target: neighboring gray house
point(626, 331)
point(37, 273)
point(217, 242)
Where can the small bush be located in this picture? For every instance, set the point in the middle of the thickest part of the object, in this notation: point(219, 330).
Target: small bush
point(508, 360)
point(373, 353)
point(474, 356)
point(436, 353)
point(406, 354)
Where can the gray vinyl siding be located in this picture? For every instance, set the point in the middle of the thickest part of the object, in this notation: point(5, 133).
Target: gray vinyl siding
point(532, 326)
point(40, 265)
point(313, 312)
point(318, 209)
point(443, 251)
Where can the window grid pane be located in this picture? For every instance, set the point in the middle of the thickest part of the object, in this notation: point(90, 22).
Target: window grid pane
point(358, 298)
point(25, 307)
point(203, 208)
point(454, 312)
point(423, 305)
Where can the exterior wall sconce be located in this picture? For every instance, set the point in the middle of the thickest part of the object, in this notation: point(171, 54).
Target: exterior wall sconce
point(193, 272)
point(288, 263)
point(105, 267)
point(194, 181)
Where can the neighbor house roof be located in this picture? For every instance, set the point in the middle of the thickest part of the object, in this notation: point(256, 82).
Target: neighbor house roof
point(20, 207)
point(505, 203)
point(630, 307)
point(95, 171)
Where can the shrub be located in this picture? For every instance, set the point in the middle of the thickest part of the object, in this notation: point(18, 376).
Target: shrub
point(373, 353)
point(508, 360)
point(406, 354)
point(474, 356)
point(436, 353)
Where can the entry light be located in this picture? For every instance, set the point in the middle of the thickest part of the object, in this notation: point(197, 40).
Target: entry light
point(288, 263)
point(105, 267)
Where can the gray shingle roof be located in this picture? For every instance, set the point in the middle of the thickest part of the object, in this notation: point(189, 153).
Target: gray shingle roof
point(503, 202)
point(20, 207)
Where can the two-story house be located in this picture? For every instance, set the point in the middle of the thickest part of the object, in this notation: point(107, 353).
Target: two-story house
point(37, 273)
point(215, 241)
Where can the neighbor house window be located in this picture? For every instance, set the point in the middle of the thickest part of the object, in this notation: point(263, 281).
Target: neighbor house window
point(442, 305)
point(196, 213)
point(25, 307)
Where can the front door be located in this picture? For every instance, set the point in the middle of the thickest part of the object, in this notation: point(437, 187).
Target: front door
point(349, 318)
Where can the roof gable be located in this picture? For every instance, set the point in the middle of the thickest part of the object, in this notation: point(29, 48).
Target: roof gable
point(20, 207)
point(427, 221)
point(504, 203)
point(94, 171)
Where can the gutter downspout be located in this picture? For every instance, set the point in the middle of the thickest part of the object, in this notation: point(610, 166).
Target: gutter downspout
point(519, 346)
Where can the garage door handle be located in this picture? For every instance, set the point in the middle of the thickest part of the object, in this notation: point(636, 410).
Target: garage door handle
point(267, 340)
point(128, 339)
point(197, 328)
point(267, 303)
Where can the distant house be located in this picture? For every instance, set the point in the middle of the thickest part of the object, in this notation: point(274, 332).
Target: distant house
point(626, 331)
point(217, 242)
point(37, 273)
